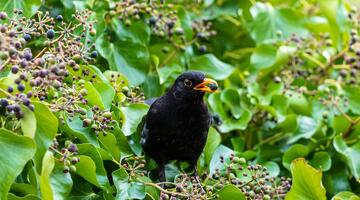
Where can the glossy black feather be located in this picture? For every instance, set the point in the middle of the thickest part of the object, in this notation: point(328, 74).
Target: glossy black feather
point(177, 124)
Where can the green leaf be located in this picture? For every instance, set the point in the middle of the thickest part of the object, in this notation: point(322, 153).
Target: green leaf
point(44, 179)
point(336, 14)
point(273, 168)
point(267, 21)
point(231, 98)
point(133, 116)
point(165, 72)
point(86, 168)
point(346, 196)
point(28, 122)
point(131, 59)
point(15, 152)
point(306, 128)
point(230, 192)
point(74, 126)
point(126, 189)
point(350, 154)
point(101, 179)
point(103, 86)
point(29, 7)
point(321, 161)
point(137, 33)
point(306, 182)
point(93, 96)
point(61, 183)
point(211, 66)
point(46, 129)
point(215, 163)
point(110, 144)
point(295, 151)
point(212, 142)
point(27, 197)
point(354, 98)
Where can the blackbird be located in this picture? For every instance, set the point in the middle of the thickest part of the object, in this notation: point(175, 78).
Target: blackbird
point(176, 125)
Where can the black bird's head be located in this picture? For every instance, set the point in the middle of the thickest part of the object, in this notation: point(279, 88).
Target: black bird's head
point(192, 85)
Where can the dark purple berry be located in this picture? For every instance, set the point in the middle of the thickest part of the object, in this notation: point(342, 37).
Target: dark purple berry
point(43, 73)
point(4, 102)
point(14, 69)
point(27, 37)
point(50, 34)
point(9, 108)
point(3, 15)
point(72, 148)
point(28, 55)
point(202, 49)
point(19, 114)
point(59, 18)
point(10, 89)
point(152, 21)
point(26, 102)
point(21, 87)
point(94, 54)
point(16, 108)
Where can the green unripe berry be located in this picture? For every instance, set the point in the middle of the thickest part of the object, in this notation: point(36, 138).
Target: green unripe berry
point(83, 92)
point(242, 160)
point(72, 168)
point(107, 115)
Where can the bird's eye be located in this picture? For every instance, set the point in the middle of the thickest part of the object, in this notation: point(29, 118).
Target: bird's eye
point(187, 83)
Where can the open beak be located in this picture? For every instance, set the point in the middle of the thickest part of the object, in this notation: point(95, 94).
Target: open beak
point(208, 85)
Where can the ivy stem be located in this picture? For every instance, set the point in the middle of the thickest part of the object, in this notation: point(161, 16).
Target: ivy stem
point(5, 63)
point(165, 191)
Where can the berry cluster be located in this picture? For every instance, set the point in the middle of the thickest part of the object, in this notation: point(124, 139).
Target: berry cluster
point(164, 22)
point(67, 155)
point(254, 181)
point(55, 74)
point(126, 94)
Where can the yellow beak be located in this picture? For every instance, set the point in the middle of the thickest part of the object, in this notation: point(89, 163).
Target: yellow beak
point(208, 85)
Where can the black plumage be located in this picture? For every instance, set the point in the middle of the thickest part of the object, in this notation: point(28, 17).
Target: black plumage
point(177, 124)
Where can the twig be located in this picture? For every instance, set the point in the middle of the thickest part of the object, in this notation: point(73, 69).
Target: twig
point(314, 60)
point(5, 63)
point(165, 191)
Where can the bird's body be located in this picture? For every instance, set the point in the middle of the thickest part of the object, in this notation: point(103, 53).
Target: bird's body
point(177, 124)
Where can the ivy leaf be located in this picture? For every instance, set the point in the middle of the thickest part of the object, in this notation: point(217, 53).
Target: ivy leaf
point(321, 161)
point(346, 196)
point(131, 59)
point(351, 155)
point(295, 151)
point(212, 142)
point(215, 163)
point(96, 163)
point(29, 7)
point(231, 98)
point(126, 189)
point(133, 115)
point(28, 122)
point(306, 128)
point(44, 180)
point(16, 151)
point(267, 21)
point(306, 182)
point(46, 129)
point(230, 192)
point(211, 66)
point(61, 183)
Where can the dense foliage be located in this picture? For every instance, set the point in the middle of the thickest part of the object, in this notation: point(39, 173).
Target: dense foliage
point(74, 76)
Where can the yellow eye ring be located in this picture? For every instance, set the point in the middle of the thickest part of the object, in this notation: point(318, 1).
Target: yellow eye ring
point(187, 83)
